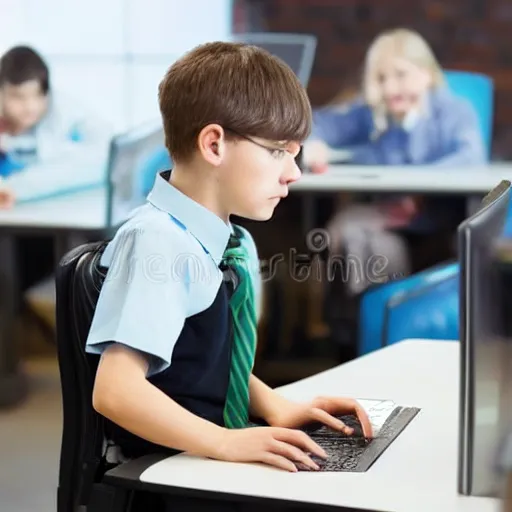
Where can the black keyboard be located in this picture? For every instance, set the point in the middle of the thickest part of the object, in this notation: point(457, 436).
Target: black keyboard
point(355, 453)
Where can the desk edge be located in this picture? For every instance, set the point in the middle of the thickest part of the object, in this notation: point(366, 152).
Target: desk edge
point(128, 475)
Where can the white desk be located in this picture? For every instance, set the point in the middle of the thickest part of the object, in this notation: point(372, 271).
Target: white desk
point(78, 211)
point(420, 179)
point(417, 473)
point(88, 210)
point(336, 156)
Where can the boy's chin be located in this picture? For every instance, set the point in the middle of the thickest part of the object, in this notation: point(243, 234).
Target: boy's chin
point(259, 215)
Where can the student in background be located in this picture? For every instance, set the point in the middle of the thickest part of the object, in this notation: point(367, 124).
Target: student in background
point(406, 116)
point(47, 142)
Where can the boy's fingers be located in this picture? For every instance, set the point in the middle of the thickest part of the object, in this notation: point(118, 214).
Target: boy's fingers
point(348, 406)
point(293, 453)
point(300, 439)
point(365, 422)
point(278, 461)
point(329, 420)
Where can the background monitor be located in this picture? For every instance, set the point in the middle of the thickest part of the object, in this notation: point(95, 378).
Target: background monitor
point(135, 158)
point(484, 356)
point(297, 50)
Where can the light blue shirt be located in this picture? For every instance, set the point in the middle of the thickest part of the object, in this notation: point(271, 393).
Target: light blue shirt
point(163, 267)
point(68, 149)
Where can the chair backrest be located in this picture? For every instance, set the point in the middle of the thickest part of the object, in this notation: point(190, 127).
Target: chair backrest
point(157, 161)
point(478, 89)
point(427, 312)
point(137, 152)
point(373, 304)
point(79, 279)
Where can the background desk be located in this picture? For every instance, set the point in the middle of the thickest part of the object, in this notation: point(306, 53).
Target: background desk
point(77, 211)
point(418, 472)
point(407, 179)
point(472, 182)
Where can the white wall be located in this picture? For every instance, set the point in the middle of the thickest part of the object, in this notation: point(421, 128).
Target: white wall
point(111, 54)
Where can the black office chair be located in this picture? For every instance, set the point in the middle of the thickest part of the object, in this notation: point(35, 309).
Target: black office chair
point(83, 462)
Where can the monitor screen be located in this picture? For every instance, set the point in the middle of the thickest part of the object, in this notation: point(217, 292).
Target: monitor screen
point(297, 50)
point(135, 159)
point(484, 355)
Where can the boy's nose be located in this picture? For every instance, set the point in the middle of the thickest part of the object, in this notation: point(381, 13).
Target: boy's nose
point(293, 173)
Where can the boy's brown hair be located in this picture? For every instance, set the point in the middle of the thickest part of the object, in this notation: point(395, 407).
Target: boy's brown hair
point(243, 88)
point(21, 64)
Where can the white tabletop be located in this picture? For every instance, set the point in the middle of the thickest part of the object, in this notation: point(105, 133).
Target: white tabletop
point(421, 179)
point(81, 210)
point(418, 472)
point(88, 210)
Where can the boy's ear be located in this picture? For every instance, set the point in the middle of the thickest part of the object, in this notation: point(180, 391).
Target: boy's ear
point(211, 144)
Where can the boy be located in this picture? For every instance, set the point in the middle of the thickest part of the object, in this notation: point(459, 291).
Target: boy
point(45, 141)
point(176, 338)
point(47, 145)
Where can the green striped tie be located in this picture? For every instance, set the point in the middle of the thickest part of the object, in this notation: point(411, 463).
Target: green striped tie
point(242, 304)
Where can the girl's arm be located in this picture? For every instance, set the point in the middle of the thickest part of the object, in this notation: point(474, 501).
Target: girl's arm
point(466, 146)
point(339, 128)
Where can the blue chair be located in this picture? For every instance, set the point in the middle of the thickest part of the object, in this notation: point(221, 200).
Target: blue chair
point(478, 89)
point(148, 168)
point(507, 230)
point(373, 303)
point(427, 312)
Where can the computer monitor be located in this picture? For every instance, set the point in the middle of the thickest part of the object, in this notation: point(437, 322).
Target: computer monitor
point(297, 50)
point(484, 355)
point(134, 161)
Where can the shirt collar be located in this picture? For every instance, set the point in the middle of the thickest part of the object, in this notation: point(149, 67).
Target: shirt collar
point(209, 229)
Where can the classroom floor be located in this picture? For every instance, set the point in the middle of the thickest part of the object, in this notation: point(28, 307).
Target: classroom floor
point(30, 443)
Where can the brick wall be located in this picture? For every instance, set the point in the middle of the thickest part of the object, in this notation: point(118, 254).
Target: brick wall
point(473, 35)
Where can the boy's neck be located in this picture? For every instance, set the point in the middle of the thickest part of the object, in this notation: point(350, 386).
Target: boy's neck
point(195, 184)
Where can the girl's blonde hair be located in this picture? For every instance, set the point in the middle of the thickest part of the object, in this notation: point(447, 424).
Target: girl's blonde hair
point(406, 44)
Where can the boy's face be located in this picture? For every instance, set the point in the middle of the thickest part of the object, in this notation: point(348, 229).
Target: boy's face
point(23, 105)
point(253, 173)
point(403, 84)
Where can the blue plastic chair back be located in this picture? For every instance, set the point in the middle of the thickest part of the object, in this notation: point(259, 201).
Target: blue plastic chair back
point(429, 312)
point(374, 301)
point(507, 229)
point(478, 89)
point(156, 162)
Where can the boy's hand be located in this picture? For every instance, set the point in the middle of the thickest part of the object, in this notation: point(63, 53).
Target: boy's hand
point(322, 410)
point(7, 198)
point(279, 447)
